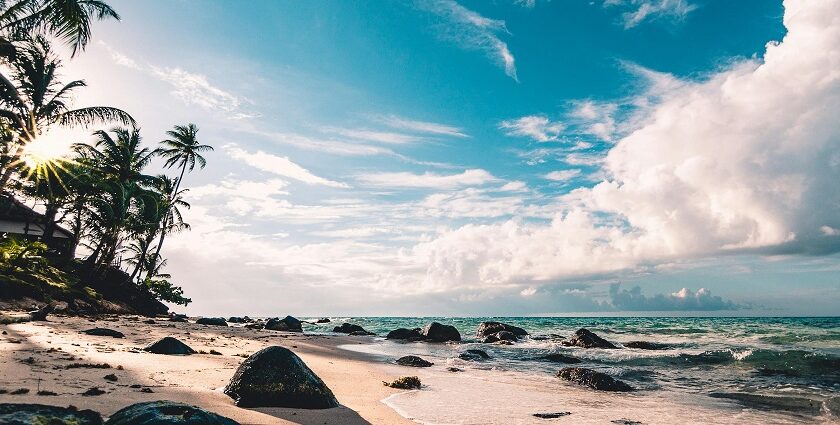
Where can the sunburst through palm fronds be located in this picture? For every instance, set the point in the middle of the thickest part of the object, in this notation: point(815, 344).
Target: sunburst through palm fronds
point(45, 158)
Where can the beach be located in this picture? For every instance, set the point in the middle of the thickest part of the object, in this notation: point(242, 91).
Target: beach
point(40, 356)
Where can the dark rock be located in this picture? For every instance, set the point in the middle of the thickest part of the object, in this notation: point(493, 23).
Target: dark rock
point(212, 321)
point(405, 334)
point(624, 421)
point(27, 414)
point(256, 326)
point(146, 390)
point(323, 320)
point(586, 339)
point(645, 345)
point(593, 379)
point(182, 318)
point(473, 354)
point(288, 324)
point(561, 358)
point(104, 332)
point(111, 377)
point(348, 328)
point(437, 332)
point(554, 415)
point(500, 336)
point(20, 391)
point(489, 328)
point(235, 319)
point(93, 392)
point(276, 377)
point(547, 337)
point(169, 345)
point(166, 413)
point(454, 369)
point(413, 361)
point(152, 322)
point(40, 315)
point(361, 333)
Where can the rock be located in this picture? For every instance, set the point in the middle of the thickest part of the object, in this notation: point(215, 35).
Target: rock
point(593, 379)
point(625, 421)
point(277, 377)
point(182, 318)
point(405, 334)
point(169, 345)
point(554, 415)
point(500, 336)
point(413, 361)
point(111, 377)
point(473, 354)
point(348, 328)
point(323, 320)
point(361, 333)
point(489, 328)
point(454, 369)
point(166, 413)
point(104, 332)
point(256, 326)
point(645, 345)
point(27, 414)
point(795, 404)
point(561, 358)
point(437, 332)
point(40, 315)
point(235, 319)
point(547, 337)
point(212, 321)
point(586, 339)
point(288, 324)
point(93, 392)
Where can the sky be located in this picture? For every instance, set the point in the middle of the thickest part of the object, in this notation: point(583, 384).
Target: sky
point(505, 157)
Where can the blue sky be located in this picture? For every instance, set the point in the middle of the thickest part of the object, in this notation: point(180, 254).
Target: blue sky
point(492, 157)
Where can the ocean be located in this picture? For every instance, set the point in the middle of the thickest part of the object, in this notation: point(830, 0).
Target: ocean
point(715, 370)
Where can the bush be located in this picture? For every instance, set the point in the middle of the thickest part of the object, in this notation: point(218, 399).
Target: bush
point(404, 383)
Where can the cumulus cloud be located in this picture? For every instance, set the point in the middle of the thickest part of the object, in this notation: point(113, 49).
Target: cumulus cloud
point(472, 177)
point(536, 127)
point(473, 31)
point(683, 300)
point(743, 160)
point(639, 11)
point(562, 175)
point(279, 165)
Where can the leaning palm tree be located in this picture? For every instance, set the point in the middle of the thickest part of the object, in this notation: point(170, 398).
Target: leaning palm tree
point(68, 20)
point(183, 150)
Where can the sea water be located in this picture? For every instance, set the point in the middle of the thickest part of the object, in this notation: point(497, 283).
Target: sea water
point(712, 370)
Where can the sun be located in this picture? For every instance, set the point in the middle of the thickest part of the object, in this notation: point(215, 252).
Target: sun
point(47, 148)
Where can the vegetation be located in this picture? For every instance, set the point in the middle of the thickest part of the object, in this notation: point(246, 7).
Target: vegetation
point(101, 190)
point(404, 383)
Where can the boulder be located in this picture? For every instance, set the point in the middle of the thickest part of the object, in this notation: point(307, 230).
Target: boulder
point(645, 345)
point(593, 379)
point(169, 345)
point(413, 361)
point(288, 324)
point(104, 332)
point(212, 321)
point(586, 339)
point(255, 325)
point(500, 336)
point(277, 377)
point(474, 354)
point(323, 320)
point(437, 332)
point(165, 412)
point(489, 328)
point(235, 319)
point(182, 318)
point(348, 328)
point(405, 334)
point(560, 358)
point(27, 414)
point(40, 315)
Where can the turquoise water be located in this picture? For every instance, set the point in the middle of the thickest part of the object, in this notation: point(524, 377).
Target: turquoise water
point(777, 358)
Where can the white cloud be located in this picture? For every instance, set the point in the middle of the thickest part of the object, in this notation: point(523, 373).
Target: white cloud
point(468, 203)
point(374, 136)
point(472, 177)
point(746, 159)
point(537, 127)
point(279, 165)
point(423, 126)
point(473, 31)
point(562, 175)
point(639, 11)
point(514, 186)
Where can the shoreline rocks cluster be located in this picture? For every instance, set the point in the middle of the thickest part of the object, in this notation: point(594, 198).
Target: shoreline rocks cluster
point(433, 332)
point(160, 412)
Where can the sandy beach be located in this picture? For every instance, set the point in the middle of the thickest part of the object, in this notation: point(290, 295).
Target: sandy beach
point(36, 356)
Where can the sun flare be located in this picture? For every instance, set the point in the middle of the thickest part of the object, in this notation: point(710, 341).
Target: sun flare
point(47, 148)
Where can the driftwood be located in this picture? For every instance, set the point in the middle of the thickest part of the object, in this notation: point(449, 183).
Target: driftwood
point(40, 315)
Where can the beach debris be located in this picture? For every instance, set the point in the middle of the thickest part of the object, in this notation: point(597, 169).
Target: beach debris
point(500, 336)
point(93, 392)
point(624, 421)
point(454, 369)
point(169, 345)
point(211, 321)
point(104, 332)
point(437, 332)
point(486, 329)
point(560, 358)
point(349, 328)
point(111, 377)
point(166, 413)
point(405, 334)
point(323, 320)
point(404, 383)
point(20, 391)
point(215, 353)
point(586, 339)
point(46, 393)
point(288, 324)
point(19, 413)
point(146, 390)
point(88, 366)
point(277, 377)
point(413, 361)
point(553, 415)
point(645, 345)
point(474, 354)
point(593, 379)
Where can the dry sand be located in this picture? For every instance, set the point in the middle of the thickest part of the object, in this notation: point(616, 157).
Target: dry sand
point(35, 355)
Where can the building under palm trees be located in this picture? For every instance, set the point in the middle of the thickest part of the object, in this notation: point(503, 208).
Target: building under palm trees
point(19, 220)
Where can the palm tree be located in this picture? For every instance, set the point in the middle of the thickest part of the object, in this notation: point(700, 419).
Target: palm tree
point(68, 20)
point(182, 149)
point(37, 101)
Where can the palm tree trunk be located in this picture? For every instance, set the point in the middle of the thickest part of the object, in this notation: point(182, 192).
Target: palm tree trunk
point(165, 224)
